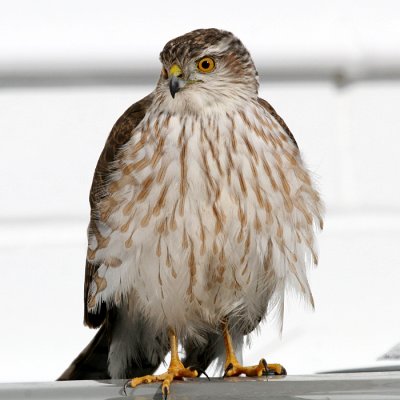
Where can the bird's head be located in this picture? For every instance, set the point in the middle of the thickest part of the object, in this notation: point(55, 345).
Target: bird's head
point(206, 68)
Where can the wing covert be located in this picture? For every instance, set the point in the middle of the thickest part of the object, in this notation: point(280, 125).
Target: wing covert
point(272, 111)
point(119, 135)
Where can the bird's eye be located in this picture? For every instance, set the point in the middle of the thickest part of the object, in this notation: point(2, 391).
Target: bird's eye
point(164, 73)
point(206, 65)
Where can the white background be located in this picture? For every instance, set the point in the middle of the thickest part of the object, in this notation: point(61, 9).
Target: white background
point(332, 71)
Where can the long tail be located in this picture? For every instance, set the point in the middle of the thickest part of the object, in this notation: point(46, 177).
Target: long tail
point(92, 361)
point(123, 348)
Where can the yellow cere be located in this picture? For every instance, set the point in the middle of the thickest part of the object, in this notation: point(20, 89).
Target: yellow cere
point(206, 64)
point(175, 70)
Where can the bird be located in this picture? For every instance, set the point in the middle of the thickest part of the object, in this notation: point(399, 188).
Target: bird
point(203, 215)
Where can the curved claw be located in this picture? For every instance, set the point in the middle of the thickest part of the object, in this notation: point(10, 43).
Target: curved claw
point(165, 393)
point(205, 373)
point(201, 372)
point(265, 365)
point(126, 384)
point(227, 369)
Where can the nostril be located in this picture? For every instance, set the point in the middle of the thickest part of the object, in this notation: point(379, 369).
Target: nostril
point(180, 76)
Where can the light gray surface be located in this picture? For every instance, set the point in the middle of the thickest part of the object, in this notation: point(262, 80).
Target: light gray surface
point(336, 386)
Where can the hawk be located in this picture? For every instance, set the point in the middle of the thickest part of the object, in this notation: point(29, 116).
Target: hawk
point(202, 216)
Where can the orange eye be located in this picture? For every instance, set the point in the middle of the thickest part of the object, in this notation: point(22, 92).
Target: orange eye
point(206, 65)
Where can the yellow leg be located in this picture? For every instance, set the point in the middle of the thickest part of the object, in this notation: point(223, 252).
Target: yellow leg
point(234, 368)
point(176, 370)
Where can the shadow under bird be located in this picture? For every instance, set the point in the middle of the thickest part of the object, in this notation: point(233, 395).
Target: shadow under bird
point(203, 215)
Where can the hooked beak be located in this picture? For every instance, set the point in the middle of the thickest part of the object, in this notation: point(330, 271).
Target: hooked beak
point(176, 83)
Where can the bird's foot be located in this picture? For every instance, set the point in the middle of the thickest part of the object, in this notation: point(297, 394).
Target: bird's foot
point(176, 370)
point(233, 368)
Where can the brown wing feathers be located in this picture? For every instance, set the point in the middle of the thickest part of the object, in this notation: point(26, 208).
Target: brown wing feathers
point(119, 135)
point(272, 111)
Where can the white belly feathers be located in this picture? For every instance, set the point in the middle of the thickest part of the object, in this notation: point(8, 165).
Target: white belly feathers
point(205, 217)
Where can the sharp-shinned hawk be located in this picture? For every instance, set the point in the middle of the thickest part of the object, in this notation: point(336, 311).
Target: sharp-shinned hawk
point(202, 216)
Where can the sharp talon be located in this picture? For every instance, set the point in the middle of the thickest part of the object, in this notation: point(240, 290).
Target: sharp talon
point(126, 384)
point(227, 369)
point(265, 365)
point(201, 371)
point(165, 393)
point(205, 373)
